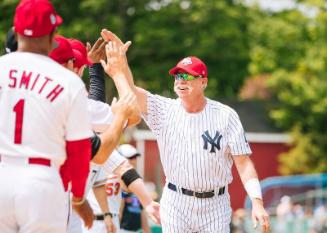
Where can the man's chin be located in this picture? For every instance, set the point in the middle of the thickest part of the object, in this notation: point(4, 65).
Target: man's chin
point(182, 94)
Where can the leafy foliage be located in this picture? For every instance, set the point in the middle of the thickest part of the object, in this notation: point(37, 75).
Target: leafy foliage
point(292, 48)
point(162, 32)
point(235, 41)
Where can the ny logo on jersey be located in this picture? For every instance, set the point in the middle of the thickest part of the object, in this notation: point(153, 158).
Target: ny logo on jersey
point(215, 142)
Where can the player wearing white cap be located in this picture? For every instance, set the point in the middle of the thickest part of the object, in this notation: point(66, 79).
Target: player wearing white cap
point(198, 140)
point(113, 187)
point(41, 103)
point(132, 216)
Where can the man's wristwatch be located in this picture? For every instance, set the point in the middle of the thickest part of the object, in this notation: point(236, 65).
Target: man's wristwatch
point(107, 214)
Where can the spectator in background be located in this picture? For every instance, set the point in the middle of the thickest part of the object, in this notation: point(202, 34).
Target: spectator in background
point(132, 214)
point(284, 214)
point(238, 221)
point(284, 208)
point(320, 218)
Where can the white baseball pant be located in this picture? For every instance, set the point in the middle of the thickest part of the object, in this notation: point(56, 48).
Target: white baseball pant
point(32, 198)
point(187, 214)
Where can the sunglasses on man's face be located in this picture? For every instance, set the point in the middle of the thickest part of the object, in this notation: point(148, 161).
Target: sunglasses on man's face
point(186, 77)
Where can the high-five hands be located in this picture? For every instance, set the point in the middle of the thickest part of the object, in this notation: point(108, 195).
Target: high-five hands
point(96, 52)
point(126, 106)
point(116, 58)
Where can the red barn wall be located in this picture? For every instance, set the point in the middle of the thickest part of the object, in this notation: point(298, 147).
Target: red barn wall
point(265, 159)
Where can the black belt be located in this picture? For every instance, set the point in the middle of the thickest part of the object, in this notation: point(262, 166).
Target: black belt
point(100, 217)
point(196, 194)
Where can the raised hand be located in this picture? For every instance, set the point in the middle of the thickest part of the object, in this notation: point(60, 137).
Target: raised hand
point(153, 211)
point(110, 36)
point(116, 58)
point(97, 52)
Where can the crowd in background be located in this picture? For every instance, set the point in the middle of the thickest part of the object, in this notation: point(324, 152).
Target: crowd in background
point(289, 217)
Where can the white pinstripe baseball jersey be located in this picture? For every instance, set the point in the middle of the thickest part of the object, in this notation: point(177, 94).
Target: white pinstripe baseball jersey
point(196, 149)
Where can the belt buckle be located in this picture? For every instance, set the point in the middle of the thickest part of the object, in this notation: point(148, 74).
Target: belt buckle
point(204, 194)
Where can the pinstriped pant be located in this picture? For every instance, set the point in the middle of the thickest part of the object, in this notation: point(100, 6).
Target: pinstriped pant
point(185, 214)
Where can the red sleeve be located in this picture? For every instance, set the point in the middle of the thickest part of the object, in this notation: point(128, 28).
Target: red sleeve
point(65, 174)
point(78, 159)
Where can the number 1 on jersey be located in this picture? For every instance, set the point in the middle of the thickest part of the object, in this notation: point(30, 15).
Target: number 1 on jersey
point(19, 110)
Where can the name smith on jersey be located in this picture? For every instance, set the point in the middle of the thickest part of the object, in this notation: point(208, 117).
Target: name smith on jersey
point(36, 83)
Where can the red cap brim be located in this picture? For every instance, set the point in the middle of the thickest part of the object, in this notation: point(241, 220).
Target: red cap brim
point(176, 69)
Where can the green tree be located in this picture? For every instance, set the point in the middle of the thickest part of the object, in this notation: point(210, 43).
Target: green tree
point(162, 33)
point(292, 48)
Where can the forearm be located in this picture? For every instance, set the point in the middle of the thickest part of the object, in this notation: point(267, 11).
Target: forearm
point(101, 197)
point(138, 188)
point(110, 139)
point(136, 185)
point(97, 83)
point(122, 84)
point(246, 170)
point(249, 177)
point(129, 75)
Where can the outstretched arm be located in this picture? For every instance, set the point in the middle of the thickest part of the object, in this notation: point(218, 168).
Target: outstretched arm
point(110, 137)
point(96, 73)
point(135, 184)
point(117, 64)
point(250, 181)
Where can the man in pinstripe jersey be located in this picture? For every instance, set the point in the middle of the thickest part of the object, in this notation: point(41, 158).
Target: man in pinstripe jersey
point(198, 139)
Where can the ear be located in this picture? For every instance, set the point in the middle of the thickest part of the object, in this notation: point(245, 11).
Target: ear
point(204, 84)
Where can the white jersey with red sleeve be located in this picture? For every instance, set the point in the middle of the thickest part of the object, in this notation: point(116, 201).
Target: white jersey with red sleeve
point(42, 106)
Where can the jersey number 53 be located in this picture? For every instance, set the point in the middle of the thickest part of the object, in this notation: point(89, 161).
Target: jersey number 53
point(112, 188)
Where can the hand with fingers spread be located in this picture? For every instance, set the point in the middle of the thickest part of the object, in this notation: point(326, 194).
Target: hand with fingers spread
point(116, 58)
point(125, 106)
point(153, 211)
point(96, 52)
point(110, 36)
point(260, 215)
point(117, 62)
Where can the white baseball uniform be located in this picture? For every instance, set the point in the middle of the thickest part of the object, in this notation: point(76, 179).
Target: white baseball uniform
point(196, 152)
point(101, 117)
point(112, 185)
point(43, 105)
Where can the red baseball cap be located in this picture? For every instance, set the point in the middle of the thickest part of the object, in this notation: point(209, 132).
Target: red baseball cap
point(191, 65)
point(63, 50)
point(80, 53)
point(36, 18)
